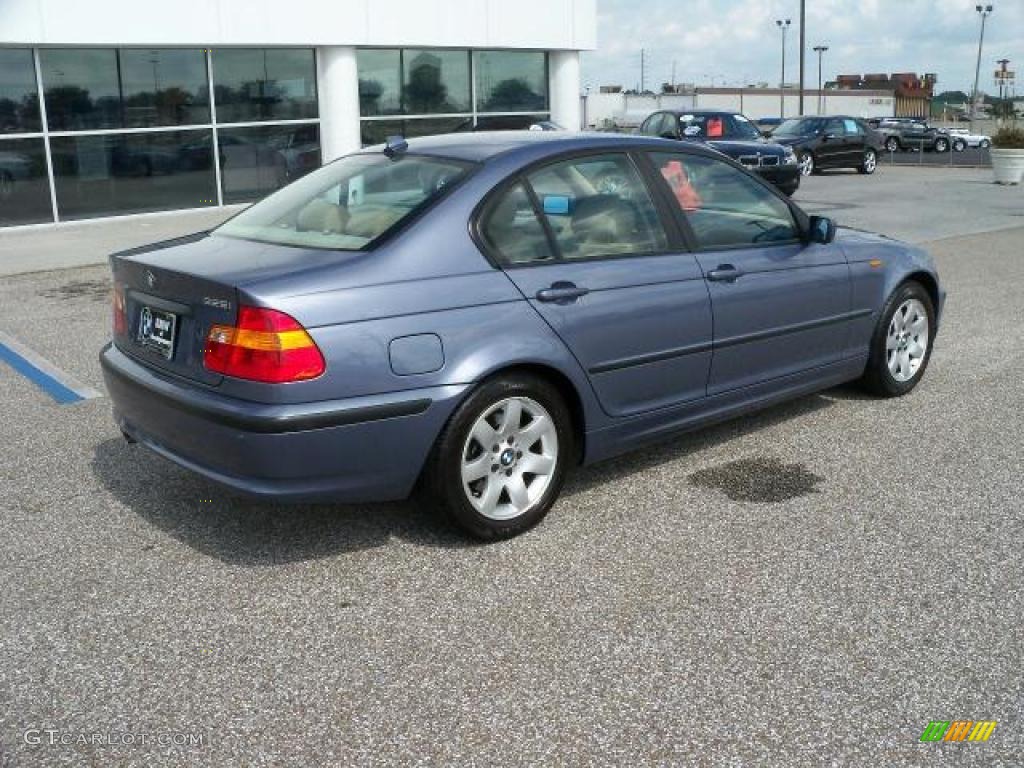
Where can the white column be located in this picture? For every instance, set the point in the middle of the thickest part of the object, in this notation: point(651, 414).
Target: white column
point(564, 73)
point(338, 85)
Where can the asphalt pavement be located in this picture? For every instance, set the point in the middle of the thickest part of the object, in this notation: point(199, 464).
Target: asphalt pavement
point(809, 586)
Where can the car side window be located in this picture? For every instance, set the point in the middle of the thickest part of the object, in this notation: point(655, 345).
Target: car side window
point(598, 206)
point(511, 227)
point(851, 127)
point(724, 206)
point(834, 128)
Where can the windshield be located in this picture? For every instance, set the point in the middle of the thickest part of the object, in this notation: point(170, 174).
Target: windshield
point(799, 127)
point(744, 128)
point(348, 204)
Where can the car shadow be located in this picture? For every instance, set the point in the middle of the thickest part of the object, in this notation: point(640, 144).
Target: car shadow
point(242, 531)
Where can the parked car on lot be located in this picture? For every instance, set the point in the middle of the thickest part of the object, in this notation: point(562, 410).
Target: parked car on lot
point(972, 139)
point(901, 135)
point(830, 142)
point(472, 315)
point(731, 134)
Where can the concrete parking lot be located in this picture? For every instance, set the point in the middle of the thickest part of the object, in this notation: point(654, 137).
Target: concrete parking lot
point(808, 586)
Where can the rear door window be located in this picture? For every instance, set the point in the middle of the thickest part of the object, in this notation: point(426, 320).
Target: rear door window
point(598, 206)
point(511, 228)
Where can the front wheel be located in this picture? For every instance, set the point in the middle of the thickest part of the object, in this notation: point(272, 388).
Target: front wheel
point(807, 165)
point(892, 144)
point(984, 144)
point(901, 345)
point(870, 162)
point(959, 146)
point(941, 145)
point(499, 464)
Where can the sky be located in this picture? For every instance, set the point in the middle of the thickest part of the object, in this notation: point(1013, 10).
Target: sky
point(737, 42)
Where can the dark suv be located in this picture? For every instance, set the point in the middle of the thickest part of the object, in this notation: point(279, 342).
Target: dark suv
point(830, 142)
point(731, 134)
point(917, 134)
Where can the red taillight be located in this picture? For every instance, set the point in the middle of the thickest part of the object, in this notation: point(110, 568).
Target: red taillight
point(265, 345)
point(120, 316)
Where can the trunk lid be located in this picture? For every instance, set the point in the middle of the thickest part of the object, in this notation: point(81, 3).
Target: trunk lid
point(169, 309)
point(195, 282)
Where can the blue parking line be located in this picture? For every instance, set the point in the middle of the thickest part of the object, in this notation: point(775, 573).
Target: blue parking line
point(40, 373)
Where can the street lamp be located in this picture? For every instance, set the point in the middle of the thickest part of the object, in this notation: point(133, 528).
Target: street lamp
point(820, 50)
point(784, 26)
point(985, 11)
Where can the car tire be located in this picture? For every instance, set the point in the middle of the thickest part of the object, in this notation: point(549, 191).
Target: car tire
point(984, 144)
point(901, 345)
point(892, 144)
point(807, 163)
point(488, 489)
point(941, 145)
point(870, 162)
point(959, 146)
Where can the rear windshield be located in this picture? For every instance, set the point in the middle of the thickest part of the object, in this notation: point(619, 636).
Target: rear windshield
point(348, 204)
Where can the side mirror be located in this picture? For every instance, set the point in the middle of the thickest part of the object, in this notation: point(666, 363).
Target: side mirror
point(821, 230)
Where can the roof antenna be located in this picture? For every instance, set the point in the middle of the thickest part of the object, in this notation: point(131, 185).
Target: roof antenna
point(395, 145)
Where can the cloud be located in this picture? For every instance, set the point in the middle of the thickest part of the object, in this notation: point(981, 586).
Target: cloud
point(737, 41)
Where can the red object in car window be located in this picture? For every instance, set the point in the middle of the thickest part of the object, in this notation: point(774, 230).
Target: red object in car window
point(675, 174)
point(715, 128)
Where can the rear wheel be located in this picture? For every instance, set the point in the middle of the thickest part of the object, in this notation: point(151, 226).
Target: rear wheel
point(959, 145)
point(870, 162)
point(499, 464)
point(892, 144)
point(941, 145)
point(984, 143)
point(901, 345)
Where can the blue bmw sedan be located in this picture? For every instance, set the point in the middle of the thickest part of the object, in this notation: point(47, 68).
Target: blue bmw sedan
point(470, 316)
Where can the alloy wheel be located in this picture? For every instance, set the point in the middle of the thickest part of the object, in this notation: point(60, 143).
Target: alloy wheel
point(806, 164)
point(906, 342)
point(509, 458)
point(870, 161)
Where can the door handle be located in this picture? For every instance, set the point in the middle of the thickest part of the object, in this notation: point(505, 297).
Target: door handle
point(725, 273)
point(561, 293)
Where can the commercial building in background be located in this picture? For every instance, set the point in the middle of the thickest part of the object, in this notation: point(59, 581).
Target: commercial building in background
point(913, 94)
point(611, 107)
point(110, 107)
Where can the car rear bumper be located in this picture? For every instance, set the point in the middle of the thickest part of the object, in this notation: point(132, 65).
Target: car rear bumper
point(355, 450)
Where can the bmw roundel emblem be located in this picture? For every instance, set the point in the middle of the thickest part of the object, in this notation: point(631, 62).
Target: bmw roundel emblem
point(150, 279)
point(145, 323)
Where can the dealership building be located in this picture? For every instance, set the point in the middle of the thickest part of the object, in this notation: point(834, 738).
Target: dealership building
point(112, 107)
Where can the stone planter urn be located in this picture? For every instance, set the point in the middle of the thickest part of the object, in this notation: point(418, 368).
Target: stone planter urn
point(1007, 165)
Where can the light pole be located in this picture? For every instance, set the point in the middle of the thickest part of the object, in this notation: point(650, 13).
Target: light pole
point(803, 48)
point(784, 26)
point(820, 50)
point(985, 11)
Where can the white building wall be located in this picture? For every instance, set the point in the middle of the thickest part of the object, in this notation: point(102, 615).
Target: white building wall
point(756, 104)
point(537, 24)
